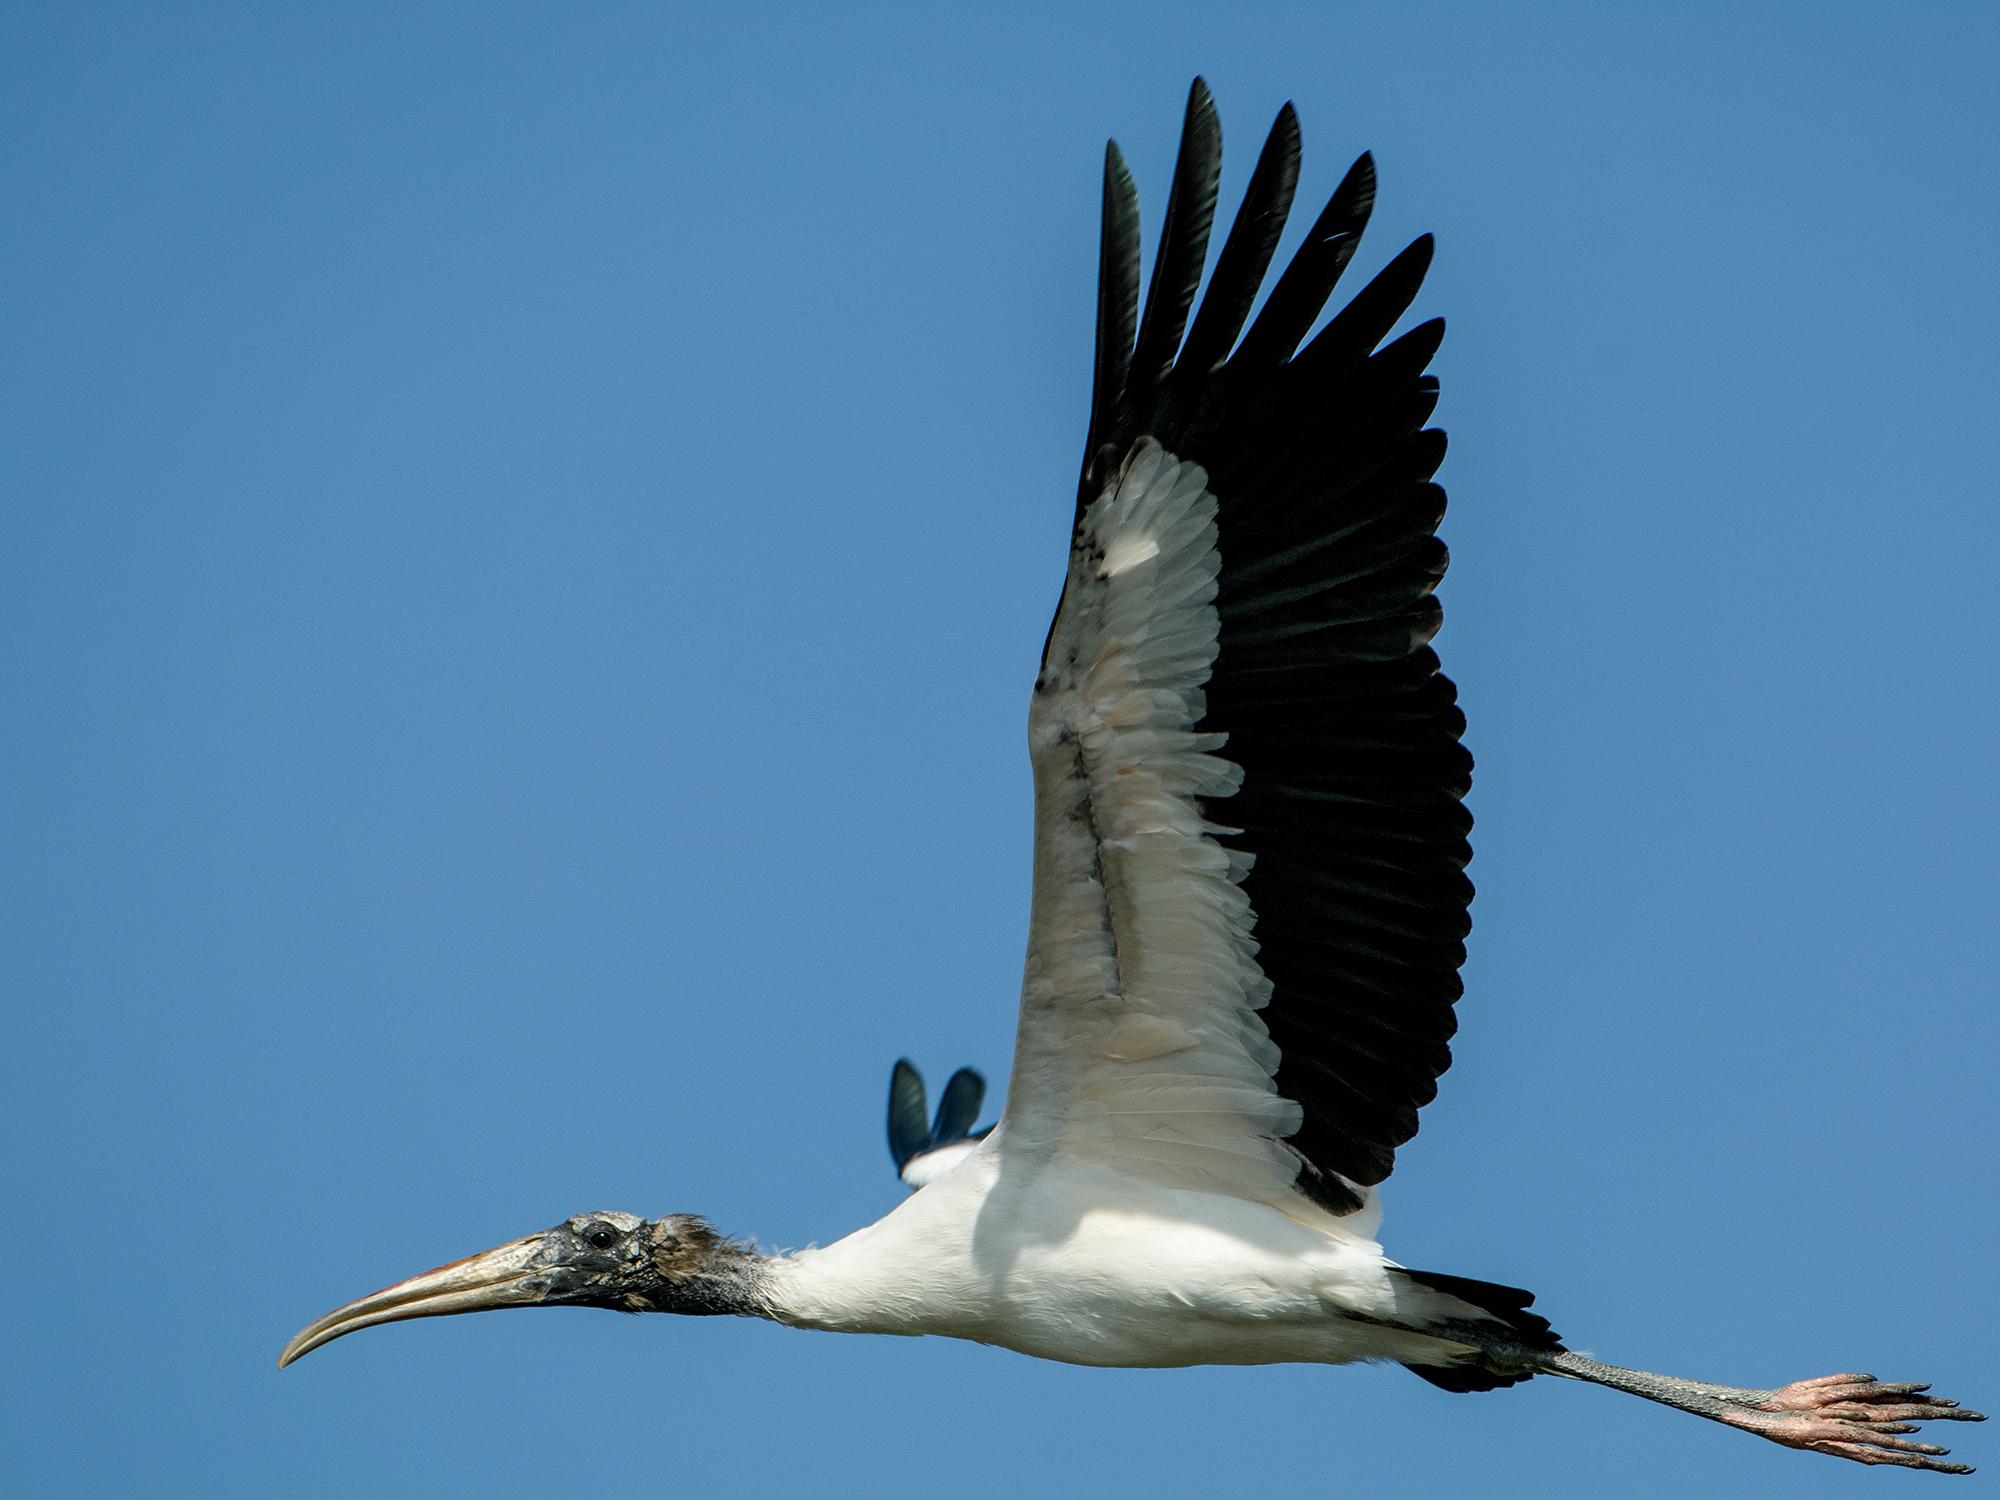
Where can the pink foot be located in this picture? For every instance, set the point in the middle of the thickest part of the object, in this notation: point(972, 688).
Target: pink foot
point(1852, 1416)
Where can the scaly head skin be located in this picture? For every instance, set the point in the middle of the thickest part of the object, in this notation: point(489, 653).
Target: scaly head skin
point(620, 1261)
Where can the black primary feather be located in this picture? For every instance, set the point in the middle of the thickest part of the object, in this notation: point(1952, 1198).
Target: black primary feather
point(958, 1107)
point(1183, 245)
point(911, 1132)
point(1117, 295)
point(1246, 256)
point(909, 1125)
point(1324, 680)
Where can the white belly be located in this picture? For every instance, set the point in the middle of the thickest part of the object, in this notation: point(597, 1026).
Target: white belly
point(1094, 1269)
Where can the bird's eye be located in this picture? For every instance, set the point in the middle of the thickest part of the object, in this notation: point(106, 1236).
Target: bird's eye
point(600, 1236)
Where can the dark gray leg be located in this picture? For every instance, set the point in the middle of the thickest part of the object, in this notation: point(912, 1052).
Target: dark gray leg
point(1848, 1416)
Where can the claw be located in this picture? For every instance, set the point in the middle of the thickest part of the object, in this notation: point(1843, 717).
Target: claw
point(1855, 1417)
point(1864, 1455)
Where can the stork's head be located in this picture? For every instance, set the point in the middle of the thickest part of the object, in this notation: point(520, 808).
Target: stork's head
point(621, 1261)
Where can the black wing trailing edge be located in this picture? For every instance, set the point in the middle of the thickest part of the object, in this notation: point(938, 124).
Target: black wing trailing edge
point(1324, 681)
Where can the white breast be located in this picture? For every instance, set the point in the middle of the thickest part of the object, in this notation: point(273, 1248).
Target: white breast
point(1090, 1267)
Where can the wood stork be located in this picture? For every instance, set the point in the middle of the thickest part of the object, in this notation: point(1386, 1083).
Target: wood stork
point(1249, 893)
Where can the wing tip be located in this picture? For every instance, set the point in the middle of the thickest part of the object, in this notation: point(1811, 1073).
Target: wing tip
point(909, 1127)
point(913, 1133)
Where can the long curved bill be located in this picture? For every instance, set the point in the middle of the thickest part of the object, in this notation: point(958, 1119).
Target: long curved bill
point(511, 1276)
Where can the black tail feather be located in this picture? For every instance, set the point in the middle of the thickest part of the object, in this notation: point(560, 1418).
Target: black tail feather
point(1463, 1379)
point(1506, 1304)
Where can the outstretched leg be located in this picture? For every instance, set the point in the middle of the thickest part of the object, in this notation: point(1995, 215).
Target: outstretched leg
point(1849, 1416)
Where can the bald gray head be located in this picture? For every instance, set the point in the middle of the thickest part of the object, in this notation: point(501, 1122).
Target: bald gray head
point(675, 1264)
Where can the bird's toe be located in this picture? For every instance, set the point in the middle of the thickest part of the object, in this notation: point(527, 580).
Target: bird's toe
point(1855, 1417)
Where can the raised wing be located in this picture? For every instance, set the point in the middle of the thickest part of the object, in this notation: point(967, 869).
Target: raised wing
point(1249, 904)
point(924, 1149)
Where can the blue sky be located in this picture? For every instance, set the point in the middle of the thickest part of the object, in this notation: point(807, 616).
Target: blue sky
point(526, 534)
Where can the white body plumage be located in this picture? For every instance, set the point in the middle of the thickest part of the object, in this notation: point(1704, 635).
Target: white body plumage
point(1088, 1266)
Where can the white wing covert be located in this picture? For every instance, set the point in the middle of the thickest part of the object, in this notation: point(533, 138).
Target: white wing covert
point(1139, 1043)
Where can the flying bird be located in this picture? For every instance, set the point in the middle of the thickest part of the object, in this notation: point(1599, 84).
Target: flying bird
point(1250, 900)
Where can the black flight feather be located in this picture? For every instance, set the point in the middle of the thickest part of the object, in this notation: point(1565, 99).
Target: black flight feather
point(1324, 681)
point(1246, 253)
point(1308, 281)
point(909, 1124)
point(1183, 244)
point(911, 1132)
point(1117, 299)
point(958, 1107)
